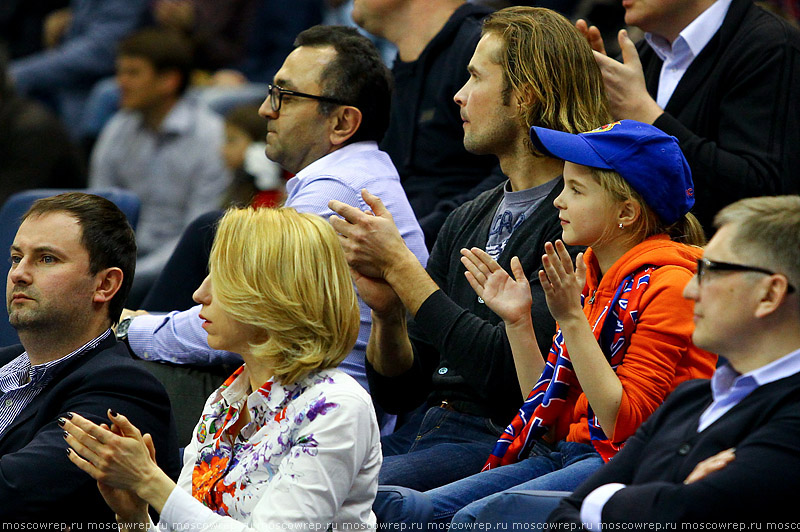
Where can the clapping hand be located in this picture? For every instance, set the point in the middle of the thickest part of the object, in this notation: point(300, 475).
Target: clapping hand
point(509, 298)
point(118, 458)
point(562, 282)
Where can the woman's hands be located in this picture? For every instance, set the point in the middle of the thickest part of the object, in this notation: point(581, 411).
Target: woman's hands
point(131, 509)
point(508, 298)
point(122, 461)
point(562, 282)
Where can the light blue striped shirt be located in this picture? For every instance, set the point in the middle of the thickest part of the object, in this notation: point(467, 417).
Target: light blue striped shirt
point(178, 337)
point(20, 382)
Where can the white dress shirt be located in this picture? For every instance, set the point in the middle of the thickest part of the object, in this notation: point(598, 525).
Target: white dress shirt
point(690, 42)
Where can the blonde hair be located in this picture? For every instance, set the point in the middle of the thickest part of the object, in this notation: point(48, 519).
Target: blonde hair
point(687, 230)
point(285, 273)
point(548, 65)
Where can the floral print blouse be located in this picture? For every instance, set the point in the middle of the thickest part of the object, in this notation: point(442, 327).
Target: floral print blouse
point(308, 458)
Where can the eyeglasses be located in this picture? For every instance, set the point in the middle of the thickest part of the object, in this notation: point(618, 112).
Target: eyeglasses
point(705, 265)
point(276, 97)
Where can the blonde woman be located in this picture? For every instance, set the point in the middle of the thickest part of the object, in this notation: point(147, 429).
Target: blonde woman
point(288, 439)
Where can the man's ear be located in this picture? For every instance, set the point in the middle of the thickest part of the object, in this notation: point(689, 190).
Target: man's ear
point(346, 121)
point(776, 290)
point(108, 283)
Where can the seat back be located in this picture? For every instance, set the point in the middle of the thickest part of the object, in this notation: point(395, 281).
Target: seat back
point(18, 204)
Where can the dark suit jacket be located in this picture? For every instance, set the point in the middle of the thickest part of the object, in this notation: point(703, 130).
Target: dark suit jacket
point(736, 110)
point(38, 483)
point(760, 485)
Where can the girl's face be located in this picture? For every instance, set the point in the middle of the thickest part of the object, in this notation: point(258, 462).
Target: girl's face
point(236, 142)
point(224, 332)
point(586, 211)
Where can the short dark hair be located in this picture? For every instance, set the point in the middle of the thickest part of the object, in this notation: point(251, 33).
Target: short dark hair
point(164, 49)
point(357, 76)
point(106, 235)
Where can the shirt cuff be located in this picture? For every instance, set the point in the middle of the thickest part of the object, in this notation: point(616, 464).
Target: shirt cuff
point(141, 334)
point(592, 507)
point(182, 511)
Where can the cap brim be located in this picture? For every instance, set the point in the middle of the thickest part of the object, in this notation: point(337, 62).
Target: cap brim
point(567, 147)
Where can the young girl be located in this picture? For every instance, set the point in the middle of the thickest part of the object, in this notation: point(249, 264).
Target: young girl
point(624, 336)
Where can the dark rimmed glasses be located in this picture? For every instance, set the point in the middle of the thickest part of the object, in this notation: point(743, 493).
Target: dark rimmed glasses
point(705, 265)
point(276, 97)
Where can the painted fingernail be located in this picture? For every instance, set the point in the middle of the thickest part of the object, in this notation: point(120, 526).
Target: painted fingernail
point(66, 434)
point(69, 450)
point(61, 421)
point(68, 415)
point(113, 413)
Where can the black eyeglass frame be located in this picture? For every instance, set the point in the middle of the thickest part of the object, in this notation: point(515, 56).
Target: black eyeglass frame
point(274, 92)
point(705, 265)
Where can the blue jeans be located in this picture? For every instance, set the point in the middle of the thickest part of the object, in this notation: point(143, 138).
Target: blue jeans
point(436, 447)
point(562, 469)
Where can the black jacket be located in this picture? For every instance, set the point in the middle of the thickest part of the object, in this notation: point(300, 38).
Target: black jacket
point(38, 483)
point(760, 485)
point(461, 350)
point(425, 138)
point(736, 110)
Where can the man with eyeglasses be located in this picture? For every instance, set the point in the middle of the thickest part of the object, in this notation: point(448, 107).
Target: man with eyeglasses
point(725, 450)
point(327, 108)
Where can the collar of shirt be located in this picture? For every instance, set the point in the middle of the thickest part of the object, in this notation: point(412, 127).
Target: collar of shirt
point(694, 37)
point(726, 378)
point(728, 387)
point(178, 121)
point(19, 371)
point(331, 160)
point(272, 394)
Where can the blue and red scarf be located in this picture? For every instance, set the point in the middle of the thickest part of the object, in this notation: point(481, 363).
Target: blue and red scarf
point(546, 401)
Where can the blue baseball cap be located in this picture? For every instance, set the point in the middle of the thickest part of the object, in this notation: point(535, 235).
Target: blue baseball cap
point(647, 158)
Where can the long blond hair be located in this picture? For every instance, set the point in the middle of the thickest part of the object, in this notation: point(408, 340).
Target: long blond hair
point(548, 65)
point(285, 273)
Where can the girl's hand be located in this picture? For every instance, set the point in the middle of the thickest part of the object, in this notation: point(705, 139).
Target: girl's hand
point(508, 298)
point(562, 282)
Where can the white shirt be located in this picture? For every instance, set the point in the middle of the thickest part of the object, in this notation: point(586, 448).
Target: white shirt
point(728, 388)
point(690, 42)
point(309, 458)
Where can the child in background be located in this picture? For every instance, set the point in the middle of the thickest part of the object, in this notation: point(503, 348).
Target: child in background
point(256, 179)
point(624, 336)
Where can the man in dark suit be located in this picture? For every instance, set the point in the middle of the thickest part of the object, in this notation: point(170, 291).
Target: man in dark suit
point(723, 77)
point(725, 450)
point(72, 264)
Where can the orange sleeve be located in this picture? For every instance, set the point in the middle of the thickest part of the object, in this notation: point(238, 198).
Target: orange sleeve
point(661, 343)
